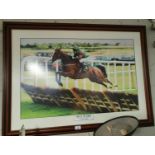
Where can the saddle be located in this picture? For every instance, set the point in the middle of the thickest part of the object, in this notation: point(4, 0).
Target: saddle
point(82, 67)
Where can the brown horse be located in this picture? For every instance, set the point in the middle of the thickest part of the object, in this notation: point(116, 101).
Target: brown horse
point(71, 68)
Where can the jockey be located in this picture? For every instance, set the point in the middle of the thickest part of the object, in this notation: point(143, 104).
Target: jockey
point(78, 55)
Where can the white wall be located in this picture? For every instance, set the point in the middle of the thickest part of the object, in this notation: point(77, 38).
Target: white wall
point(151, 57)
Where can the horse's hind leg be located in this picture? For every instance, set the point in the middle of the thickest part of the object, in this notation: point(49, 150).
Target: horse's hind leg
point(111, 83)
point(104, 84)
point(106, 80)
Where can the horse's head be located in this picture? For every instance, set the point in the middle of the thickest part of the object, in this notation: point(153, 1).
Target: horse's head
point(57, 55)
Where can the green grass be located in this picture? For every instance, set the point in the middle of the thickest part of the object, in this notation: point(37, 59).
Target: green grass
point(33, 110)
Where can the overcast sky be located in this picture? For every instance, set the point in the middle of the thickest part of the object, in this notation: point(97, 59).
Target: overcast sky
point(25, 41)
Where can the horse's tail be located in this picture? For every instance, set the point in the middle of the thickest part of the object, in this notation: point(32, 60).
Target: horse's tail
point(103, 69)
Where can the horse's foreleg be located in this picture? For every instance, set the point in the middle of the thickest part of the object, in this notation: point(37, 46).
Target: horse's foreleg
point(58, 79)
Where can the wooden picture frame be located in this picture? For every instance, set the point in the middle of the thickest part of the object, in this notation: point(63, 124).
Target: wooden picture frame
point(18, 37)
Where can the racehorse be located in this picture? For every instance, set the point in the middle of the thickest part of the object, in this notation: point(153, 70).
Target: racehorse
point(71, 69)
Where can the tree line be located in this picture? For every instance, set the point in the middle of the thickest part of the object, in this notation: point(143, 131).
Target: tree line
point(67, 45)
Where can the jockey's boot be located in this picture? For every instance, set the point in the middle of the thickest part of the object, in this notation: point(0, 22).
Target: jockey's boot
point(82, 69)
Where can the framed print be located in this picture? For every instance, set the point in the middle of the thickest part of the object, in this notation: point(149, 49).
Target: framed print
point(65, 78)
